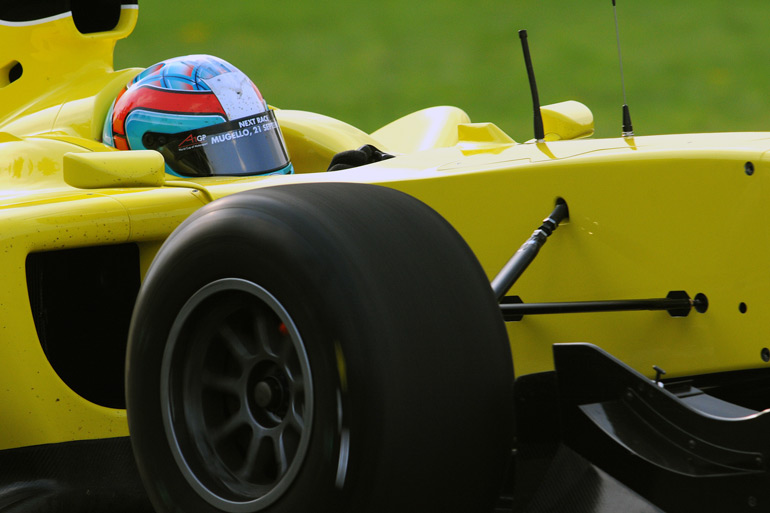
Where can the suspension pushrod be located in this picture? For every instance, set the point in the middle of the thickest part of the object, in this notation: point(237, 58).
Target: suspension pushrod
point(519, 262)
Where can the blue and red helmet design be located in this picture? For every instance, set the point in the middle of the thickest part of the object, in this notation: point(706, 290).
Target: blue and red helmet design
point(181, 94)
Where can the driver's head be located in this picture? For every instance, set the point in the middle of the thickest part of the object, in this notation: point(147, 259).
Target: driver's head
point(203, 115)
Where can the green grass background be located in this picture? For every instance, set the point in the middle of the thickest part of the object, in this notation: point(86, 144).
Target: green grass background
point(691, 66)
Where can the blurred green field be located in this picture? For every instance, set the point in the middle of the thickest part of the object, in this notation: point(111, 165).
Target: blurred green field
point(692, 66)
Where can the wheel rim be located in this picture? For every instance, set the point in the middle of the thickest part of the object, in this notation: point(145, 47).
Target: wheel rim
point(236, 395)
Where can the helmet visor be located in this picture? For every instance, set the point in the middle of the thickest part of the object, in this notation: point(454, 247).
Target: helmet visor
point(248, 146)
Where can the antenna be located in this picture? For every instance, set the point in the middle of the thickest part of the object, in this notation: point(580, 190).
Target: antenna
point(538, 118)
point(628, 128)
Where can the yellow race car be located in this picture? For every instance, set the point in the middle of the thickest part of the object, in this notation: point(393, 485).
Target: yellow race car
point(338, 329)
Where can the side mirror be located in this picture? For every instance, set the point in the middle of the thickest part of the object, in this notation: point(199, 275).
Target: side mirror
point(567, 120)
point(105, 169)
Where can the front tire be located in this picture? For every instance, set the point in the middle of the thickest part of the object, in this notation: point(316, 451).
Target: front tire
point(324, 347)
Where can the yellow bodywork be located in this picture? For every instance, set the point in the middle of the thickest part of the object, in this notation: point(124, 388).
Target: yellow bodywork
point(648, 215)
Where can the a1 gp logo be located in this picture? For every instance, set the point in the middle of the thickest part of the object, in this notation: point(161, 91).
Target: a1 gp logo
point(193, 140)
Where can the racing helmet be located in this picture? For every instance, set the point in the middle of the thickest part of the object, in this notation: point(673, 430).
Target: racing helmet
point(204, 115)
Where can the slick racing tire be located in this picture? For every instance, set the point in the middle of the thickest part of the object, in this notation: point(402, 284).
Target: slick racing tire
point(318, 347)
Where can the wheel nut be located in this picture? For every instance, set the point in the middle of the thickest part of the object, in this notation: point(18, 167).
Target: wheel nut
point(263, 394)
